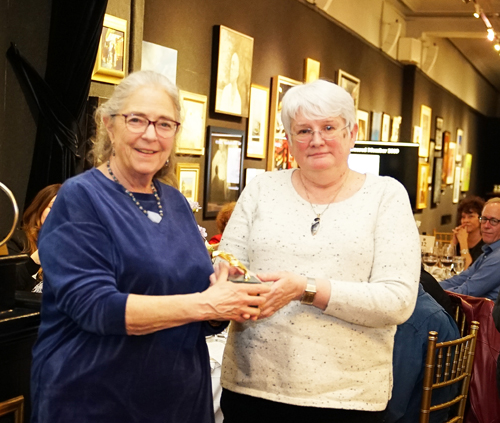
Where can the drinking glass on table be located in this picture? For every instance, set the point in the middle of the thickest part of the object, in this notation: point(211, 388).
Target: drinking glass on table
point(447, 255)
point(430, 258)
point(458, 264)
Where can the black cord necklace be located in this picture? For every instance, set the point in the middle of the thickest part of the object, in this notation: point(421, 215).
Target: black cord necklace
point(153, 216)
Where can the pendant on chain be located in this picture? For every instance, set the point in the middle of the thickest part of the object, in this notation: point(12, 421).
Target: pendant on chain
point(315, 226)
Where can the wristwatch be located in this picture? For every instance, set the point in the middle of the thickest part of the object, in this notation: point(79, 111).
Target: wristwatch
point(464, 251)
point(309, 293)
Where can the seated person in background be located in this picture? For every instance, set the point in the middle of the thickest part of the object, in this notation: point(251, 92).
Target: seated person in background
point(482, 278)
point(221, 221)
point(467, 236)
point(410, 351)
point(28, 274)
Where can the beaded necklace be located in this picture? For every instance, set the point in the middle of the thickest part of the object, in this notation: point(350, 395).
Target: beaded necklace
point(153, 216)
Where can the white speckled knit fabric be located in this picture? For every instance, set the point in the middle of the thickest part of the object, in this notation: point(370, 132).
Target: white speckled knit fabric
point(368, 247)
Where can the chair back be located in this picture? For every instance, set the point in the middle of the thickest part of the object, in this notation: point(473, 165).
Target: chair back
point(443, 237)
point(448, 363)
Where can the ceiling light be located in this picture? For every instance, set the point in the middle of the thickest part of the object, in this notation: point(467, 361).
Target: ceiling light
point(491, 34)
point(477, 12)
point(497, 47)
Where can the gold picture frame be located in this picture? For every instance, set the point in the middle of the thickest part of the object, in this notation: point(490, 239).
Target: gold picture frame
point(13, 406)
point(194, 112)
point(311, 70)
point(111, 61)
point(278, 155)
point(257, 122)
point(188, 176)
point(351, 84)
point(425, 124)
point(422, 185)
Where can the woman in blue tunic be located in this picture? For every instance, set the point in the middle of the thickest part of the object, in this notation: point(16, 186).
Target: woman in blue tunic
point(129, 290)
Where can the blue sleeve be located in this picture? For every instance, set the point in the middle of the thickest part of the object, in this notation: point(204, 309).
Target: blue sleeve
point(77, 260)
point(479, 280)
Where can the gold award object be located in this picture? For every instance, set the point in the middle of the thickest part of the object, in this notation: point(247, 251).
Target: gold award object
point(247, 277)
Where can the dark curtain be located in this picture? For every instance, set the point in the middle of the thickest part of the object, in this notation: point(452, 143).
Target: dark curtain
point(61, 98)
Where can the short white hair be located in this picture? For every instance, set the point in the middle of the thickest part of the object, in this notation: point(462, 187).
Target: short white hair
point(317, 100)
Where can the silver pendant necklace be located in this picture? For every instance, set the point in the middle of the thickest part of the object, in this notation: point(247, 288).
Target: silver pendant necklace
point(317, 220)
point(153, 216)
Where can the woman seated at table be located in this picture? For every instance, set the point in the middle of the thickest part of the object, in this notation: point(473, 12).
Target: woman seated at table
point(343, 255)
point(129, 289)
point(467, 236)
point(29, 274)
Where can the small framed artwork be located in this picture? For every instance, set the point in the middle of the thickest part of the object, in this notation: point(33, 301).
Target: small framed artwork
point(257, 122)
point(278, 155)
point(449, 150)
point(311, 70)
point(363, 119)
point(386, 127)
point(460, 144)
point(251, 173)
point(12, 410)
point(112, 53)
point(436, 180)
point(425, 124)
point(396, 123)
point(422, 185)
point(456, 184)
point(466, 170)
point(438, 136)
point(351, 84)
point(234, 72)
point(417, 136)
point(192, 137)
point(188, 176)
point(224, 176)
point(159, 59)
point(376, 126)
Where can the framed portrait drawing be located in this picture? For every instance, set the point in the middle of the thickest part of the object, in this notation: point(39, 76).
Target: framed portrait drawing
point(192, 137)
point(376, 126)
point(351, 84)
point(363, 119)
point(422, 185)
point(436, 180)
point(234, 72)
point(278, 155)
point(223, 181)
point(188, 176)
point(396, 123)
point(438, 136)
point(311, 70)
point(386, 127)
point(159, 59)
point(466, 170)
point(425, 124)
point(257, 122)
point(110, 64)
point(460, 144)
point(456, 185)
point(251, 173)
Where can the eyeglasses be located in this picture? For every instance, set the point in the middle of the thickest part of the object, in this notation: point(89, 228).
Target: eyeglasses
point(165, 128)
point(492, 220)
point(328, 133)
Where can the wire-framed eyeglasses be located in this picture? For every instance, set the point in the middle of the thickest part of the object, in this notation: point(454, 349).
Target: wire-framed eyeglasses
point(328, 133)
point(137, 124)
point(492, 220)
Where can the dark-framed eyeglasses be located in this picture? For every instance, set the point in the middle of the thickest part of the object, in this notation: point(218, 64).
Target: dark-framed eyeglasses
point(328, 133)
point(492, 220)
point(137, 124)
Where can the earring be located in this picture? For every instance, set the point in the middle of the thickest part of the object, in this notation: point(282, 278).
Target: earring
point(113, 153)
point(167, 162)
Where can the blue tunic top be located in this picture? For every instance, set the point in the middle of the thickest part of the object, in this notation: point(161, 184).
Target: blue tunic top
point(97, 247)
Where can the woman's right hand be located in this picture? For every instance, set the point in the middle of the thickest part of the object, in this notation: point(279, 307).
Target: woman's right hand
point(233, 301)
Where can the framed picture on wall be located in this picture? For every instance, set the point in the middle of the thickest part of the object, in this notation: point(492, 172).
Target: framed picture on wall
point(311, 70)
point(188, 176)
point(436, 180)
point(438, 136)
point(422, 185)
point(449, 151)
point(234, 72)
point(430, 160)
point(460, 144)
point(223, 181)
point(110, 64)
point(159, 59)
point(456, 184)
point(257, 122)
point(396, 123)
point(386, 127)
point(351, 84)
point(425, 124)
point(192, 137)
point(278, 154)
point(376, 126)
point(363, 119)
point(12, 410)
point(466, 170)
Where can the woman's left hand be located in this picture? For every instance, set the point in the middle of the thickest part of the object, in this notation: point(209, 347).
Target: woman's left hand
point(286, 287)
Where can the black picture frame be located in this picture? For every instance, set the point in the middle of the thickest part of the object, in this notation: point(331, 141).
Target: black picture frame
point(224, 168)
